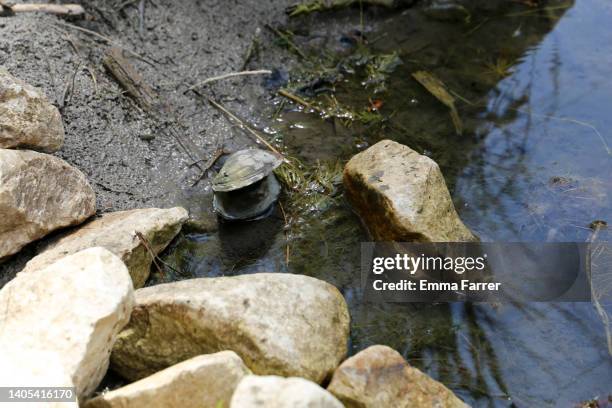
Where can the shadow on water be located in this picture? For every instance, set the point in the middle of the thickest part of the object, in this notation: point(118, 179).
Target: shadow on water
point(533, 164)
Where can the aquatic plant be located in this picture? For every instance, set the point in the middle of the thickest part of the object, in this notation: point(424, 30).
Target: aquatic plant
point(498, 68)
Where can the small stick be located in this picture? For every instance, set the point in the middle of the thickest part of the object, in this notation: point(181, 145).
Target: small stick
point(286, 235)
point(213, 159)
point(130, 79)
point(141, 17)
point(230, 75)
point(299, 100)
point(156, 259)
point(245, 126)
point(252, 50)
point(58, 9)
point(105, 39)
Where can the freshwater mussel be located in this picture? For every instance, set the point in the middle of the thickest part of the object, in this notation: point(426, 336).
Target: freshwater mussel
point(246, 188)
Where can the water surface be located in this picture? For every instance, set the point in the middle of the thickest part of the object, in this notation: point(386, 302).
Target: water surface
point(533, 164)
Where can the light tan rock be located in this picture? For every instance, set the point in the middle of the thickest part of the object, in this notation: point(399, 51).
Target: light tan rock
point(25, 369)
point(117, 233)
point(278, 392)
point(27, 118)
point(39, 193)
point(379, 377)
point(401, 196)
point(281, 324)
point(203, 381)
point(74, 308)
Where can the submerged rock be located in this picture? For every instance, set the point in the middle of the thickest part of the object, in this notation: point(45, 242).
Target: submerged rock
point(278, 392)
point(280, 324)
point(401, 196)
point(73, 309)
point(379, 377)
point(446, 10)
point(27, 118)
point(117, 233)
point(202, 381)
point(39, 193)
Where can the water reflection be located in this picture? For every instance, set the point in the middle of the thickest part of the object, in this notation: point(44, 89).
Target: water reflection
point(533, 165)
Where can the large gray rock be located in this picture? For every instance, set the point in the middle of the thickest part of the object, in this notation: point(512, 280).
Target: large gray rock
point(281, 324)
point(27, 118)
point(117, 233)
point(74, 309)
point(278, 392)
point(39, 193)
point(401, 196)
point(203, 381)
point(379, 377)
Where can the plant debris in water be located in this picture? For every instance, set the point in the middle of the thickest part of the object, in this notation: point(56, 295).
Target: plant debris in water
point(310, 188)
point(326, 5)
point(438, 89)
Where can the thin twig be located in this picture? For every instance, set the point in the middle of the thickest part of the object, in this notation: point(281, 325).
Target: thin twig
point(538, 10)
point(93, 78)
point(156, 259)
point(141, 17)
point(213, 159)
point(245, 126)
point(69, 91)
point(286, 234)
point(252, 50)
point(299, 100)
point(230, 75)
point(74, 46)
point(106, 39)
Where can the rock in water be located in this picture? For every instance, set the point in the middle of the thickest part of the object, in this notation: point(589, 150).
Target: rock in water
point(27, 118)
point(401, 196)
point(203, 381)
point(278, 392)
point(447, 10)
point(74, 308)
point(117, 233)
point(280, 324)
point(379, 377)
point(39, 193)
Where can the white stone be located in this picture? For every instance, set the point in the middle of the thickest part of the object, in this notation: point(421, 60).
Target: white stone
point(278, 392)
point(39, 193)
point(203, 381)
point(73, 308)
point(379, 377)
point(401, 196)
point(33, 369)
point(279, 324)
point(27, 118)
point(117, 233)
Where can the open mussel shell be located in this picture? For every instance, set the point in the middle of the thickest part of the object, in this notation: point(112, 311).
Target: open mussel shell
point(244, 168)
point(248, 203)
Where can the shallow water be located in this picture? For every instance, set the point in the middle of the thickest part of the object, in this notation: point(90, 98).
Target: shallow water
point(533, 164)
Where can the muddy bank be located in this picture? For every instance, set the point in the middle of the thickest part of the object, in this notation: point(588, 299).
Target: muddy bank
point(122, 150)
point(132, 159)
